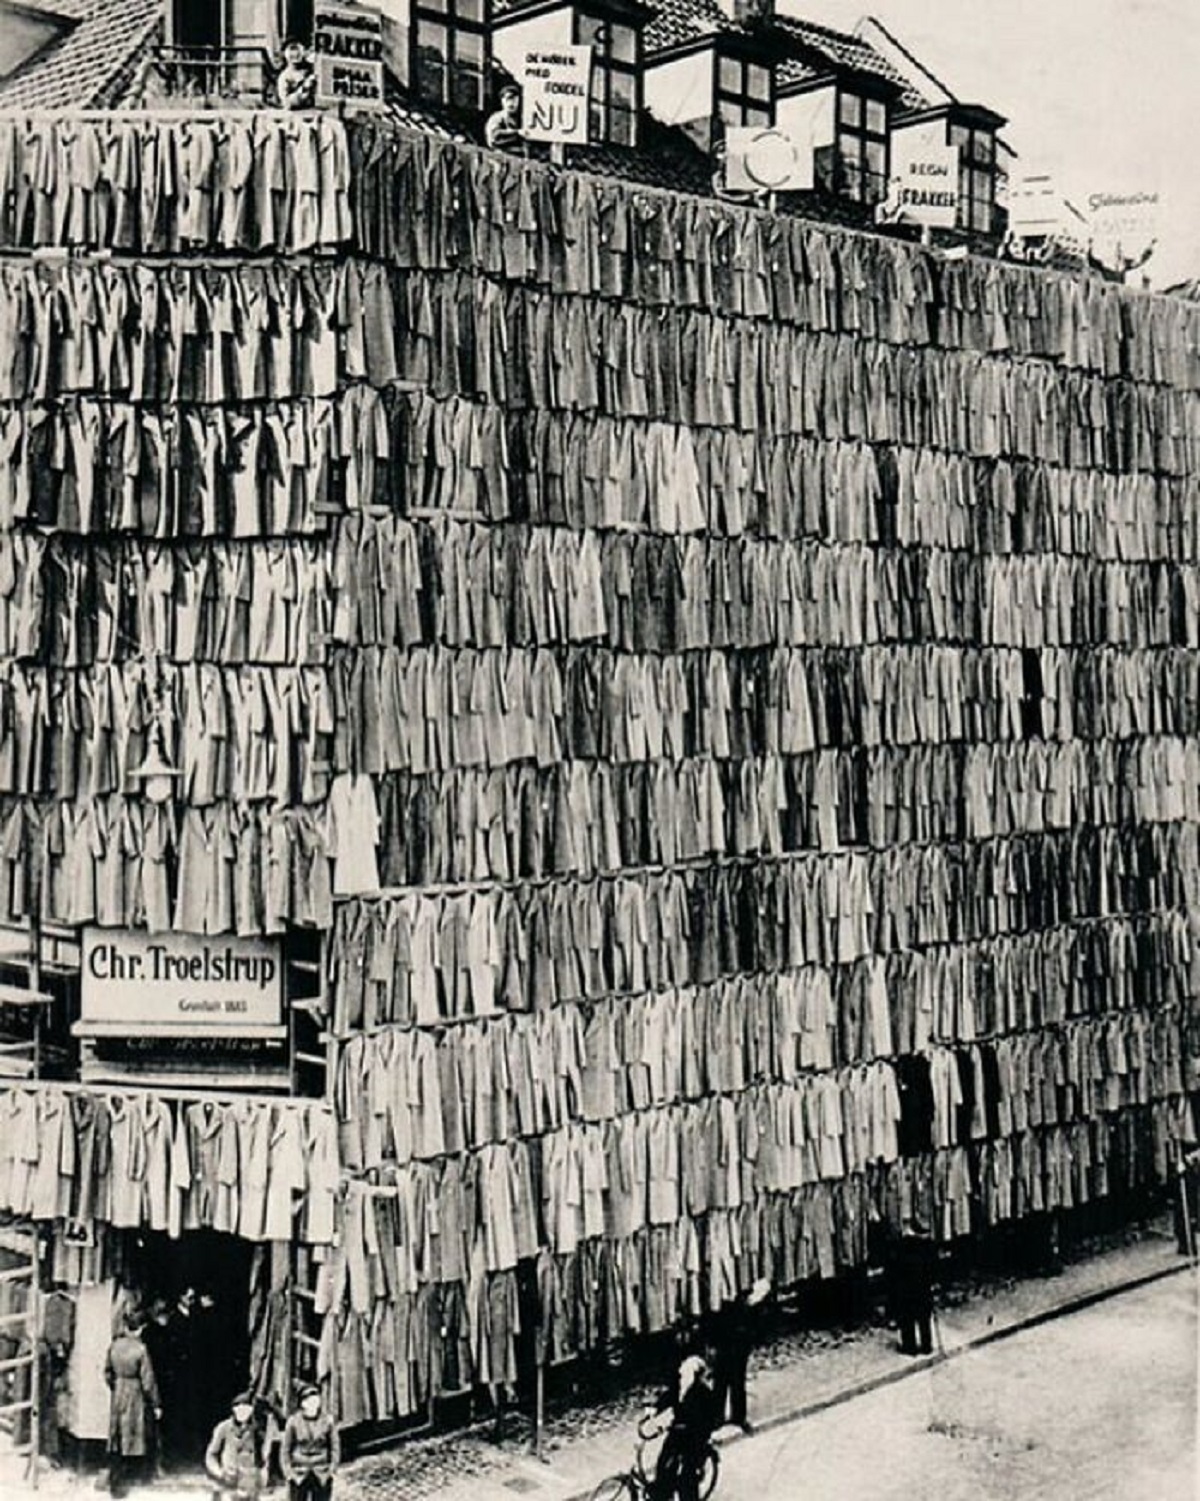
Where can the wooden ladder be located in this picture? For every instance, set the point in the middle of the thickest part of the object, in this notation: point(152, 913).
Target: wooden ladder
point(21, 1325)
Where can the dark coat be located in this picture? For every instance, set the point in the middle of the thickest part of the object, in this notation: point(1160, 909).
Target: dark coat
point(130, 1378)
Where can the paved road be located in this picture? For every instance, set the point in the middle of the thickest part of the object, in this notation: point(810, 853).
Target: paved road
point(1097, 1406)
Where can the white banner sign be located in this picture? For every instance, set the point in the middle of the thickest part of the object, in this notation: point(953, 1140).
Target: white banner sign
point(177, 981)
point(555, 86)
point(766, 159)
point(1124, 225)
point(923, 187)
point(348, 44)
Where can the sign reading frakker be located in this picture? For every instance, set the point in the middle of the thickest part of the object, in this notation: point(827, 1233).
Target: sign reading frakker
point(179, 985)
point(348, 46)
point(554, 89)
point(922, 186)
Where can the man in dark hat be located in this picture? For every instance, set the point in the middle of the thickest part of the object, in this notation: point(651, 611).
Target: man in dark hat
point(234, 1457)
point(912, 1287)
point(134, 1406)
point(310, 1452)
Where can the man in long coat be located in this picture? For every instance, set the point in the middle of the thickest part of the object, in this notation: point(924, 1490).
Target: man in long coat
point(134, 1409)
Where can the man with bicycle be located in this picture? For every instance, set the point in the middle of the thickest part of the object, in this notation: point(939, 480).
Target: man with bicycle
point(692, 1406)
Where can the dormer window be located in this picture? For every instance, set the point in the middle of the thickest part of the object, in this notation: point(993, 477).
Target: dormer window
point(862, 147)
point(976, 176)
point(450, 51)
point(743, 91)
point(615, 73)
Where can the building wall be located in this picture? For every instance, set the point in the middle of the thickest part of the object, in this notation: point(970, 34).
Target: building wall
point(742, 735)
point(680, 92)
point(510, 43)
point(810, 116)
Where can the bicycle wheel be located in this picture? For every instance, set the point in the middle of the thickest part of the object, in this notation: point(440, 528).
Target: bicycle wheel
point(616, 1488)
point(710, 1473)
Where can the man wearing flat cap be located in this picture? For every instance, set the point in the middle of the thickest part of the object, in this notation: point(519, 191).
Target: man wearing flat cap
point(234, 1456)
point(310, 1452)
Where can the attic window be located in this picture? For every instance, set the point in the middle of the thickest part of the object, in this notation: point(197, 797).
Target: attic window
point(614, 77)
point(743, 91)
point(862, 147)
point(450, 52)
point(976, 177)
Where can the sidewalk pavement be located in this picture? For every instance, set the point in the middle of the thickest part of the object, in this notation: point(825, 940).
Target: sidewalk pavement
point(783, 1390)
point(789, 1379)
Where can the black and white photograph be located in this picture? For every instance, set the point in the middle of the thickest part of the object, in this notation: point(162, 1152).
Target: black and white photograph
point(599, 750)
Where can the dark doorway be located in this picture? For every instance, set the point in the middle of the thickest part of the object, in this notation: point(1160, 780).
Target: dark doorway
point(195, 1293)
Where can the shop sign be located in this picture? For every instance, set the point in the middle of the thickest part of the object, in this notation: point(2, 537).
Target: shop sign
point(348, 47)
point(554, 95)
point(767, 159)
point(923, 188)
point(179, 985)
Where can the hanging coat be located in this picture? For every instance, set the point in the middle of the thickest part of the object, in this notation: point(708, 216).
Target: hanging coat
point(130, 1378)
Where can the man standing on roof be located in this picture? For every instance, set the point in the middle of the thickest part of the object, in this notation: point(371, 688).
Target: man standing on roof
point(503, 129)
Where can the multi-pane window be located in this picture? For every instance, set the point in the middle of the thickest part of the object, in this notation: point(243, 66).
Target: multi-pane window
point(614, 101)
point(862, 148)
point(743, 92)
point(976, 177)
point(450, 53)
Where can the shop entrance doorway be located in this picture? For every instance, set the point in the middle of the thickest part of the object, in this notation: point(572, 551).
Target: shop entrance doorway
point(194, 1293)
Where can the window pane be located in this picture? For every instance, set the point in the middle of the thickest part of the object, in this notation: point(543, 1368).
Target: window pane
point(622, 89)
point(981, 185)
point(758, 81)
point(589, 32)
point(876, 157)
point(985, 147)
point(620, 125)
point(730, 111)
point(757, 114)
point(623, 43)
point(596, 114)
point(431, 59)
point(960, 136)
point(469, 10)
point(850, 110)
point(729, 76)
point(876, 117)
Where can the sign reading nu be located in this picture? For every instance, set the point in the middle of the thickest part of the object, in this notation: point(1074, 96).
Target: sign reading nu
point(555, 86)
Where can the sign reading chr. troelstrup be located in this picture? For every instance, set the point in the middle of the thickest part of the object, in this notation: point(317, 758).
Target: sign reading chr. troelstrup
point(180, 983)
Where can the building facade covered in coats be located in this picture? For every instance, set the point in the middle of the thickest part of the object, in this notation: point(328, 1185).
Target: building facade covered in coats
point(569, 745)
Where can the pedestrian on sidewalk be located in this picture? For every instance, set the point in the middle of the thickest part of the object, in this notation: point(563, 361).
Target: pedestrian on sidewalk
point(912, 1287)
point(310, 1452)
point(734, 1327)
point(134, 1407)
point(234, 1457)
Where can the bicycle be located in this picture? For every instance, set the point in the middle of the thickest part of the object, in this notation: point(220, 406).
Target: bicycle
point(634, 1484)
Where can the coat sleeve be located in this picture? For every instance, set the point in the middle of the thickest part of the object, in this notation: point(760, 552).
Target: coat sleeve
point(212, 1455)
point(285, 1449)
point(110, 1375)
point(149, 1380)
point(335, 1445)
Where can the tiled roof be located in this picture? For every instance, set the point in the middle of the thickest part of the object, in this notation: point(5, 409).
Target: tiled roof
point(677, 22)
point(87, 64)
point(666, 157)
point(824, 50)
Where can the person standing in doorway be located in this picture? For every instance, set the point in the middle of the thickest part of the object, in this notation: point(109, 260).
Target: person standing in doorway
point(310, 1452)
point(135, 1409)
point(733, 1330)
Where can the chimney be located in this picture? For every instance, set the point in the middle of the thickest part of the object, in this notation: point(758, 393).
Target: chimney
point(748, 12)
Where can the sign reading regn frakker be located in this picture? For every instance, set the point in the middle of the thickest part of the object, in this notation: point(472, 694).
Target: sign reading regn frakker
point(177, 984)
point(922, 185)
point(348, 45)
point(554, 87)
